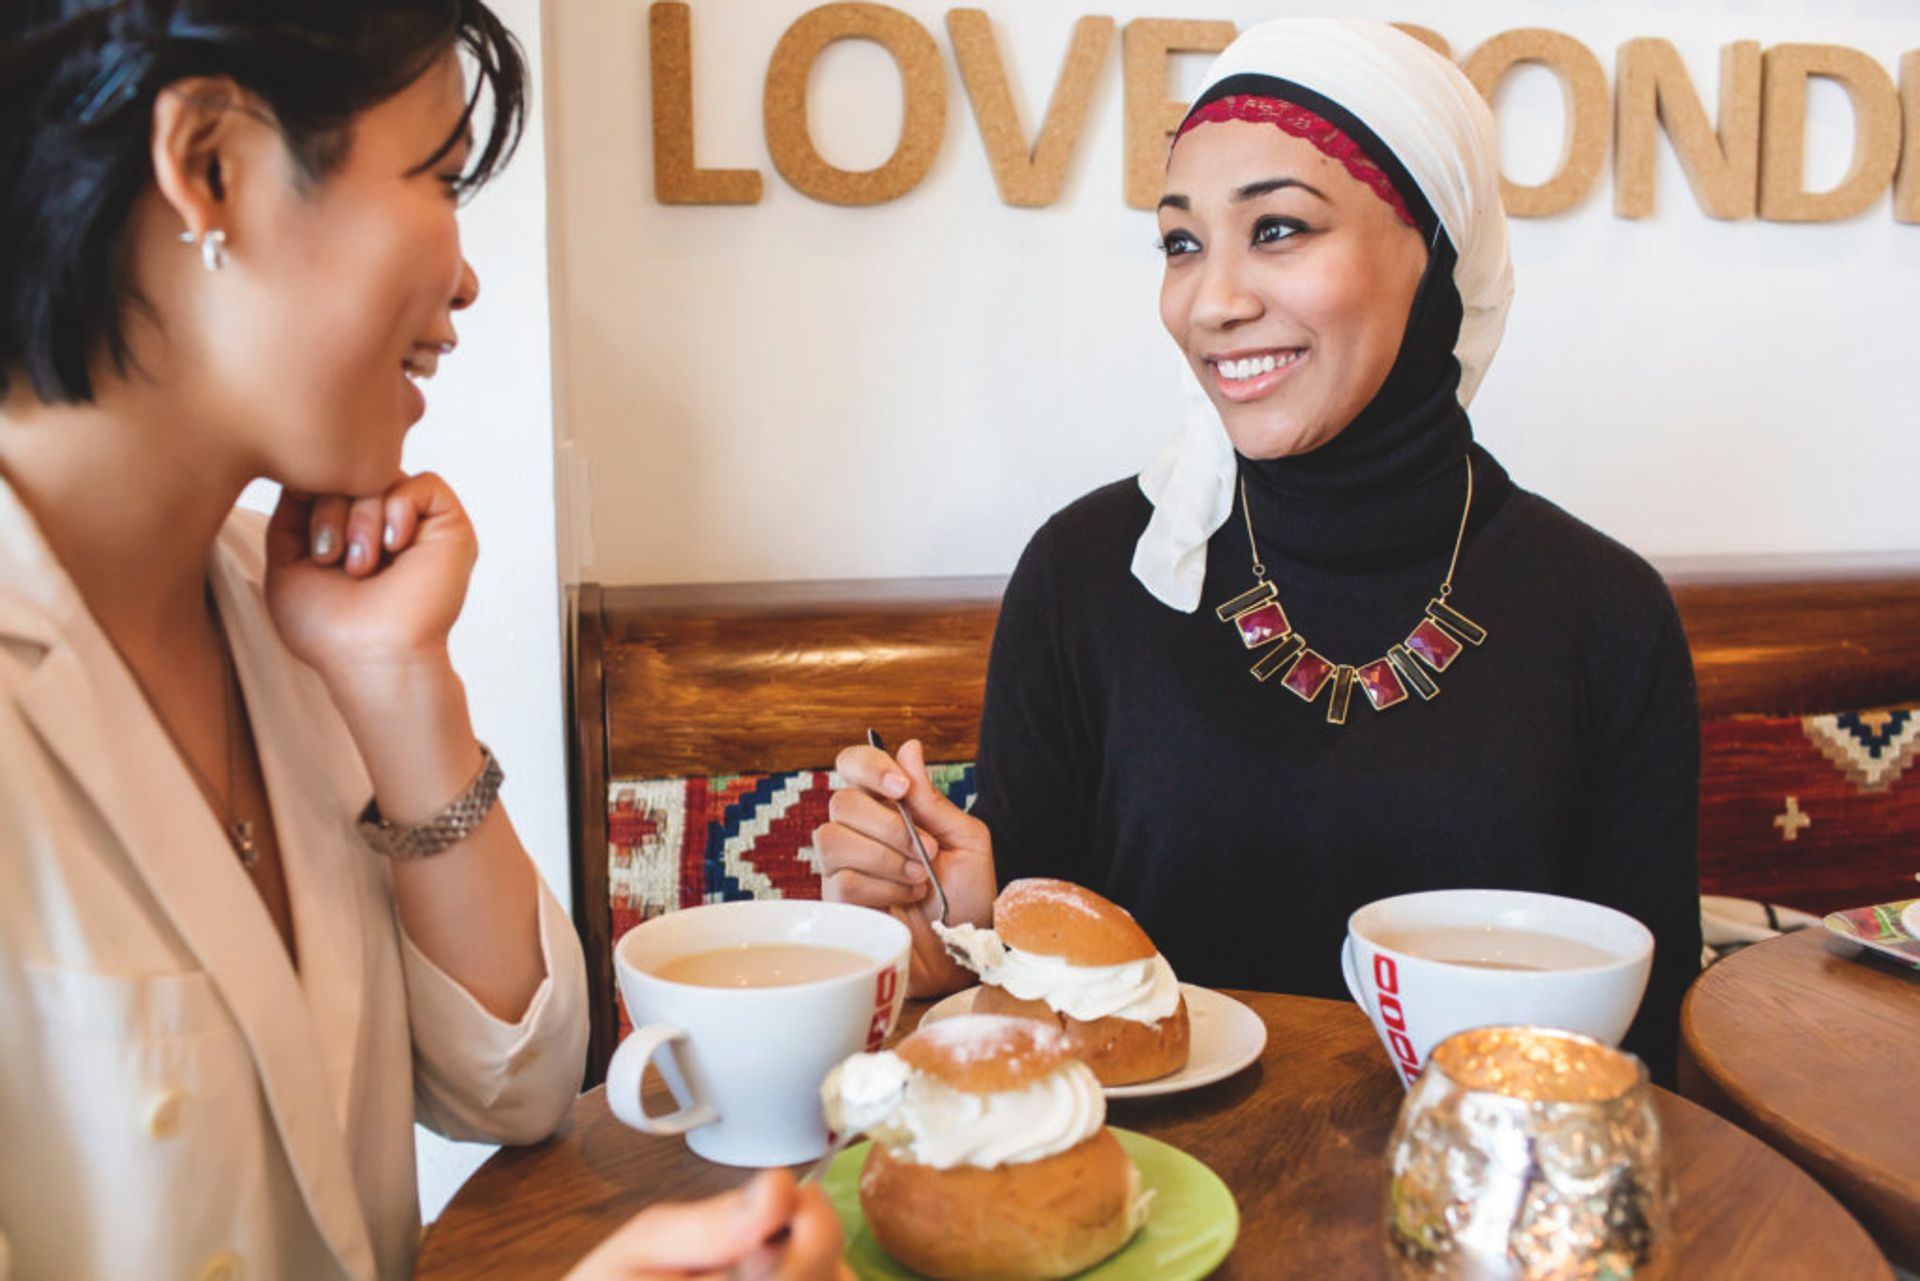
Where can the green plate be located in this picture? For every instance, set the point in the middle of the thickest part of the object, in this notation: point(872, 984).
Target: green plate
point(1190, 1228)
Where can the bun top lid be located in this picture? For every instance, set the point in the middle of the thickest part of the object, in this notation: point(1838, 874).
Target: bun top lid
point(1045, 917)
point(986, 1053)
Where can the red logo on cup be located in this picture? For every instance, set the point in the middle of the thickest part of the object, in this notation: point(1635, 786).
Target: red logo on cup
point(1386, 979)
point(885, 984)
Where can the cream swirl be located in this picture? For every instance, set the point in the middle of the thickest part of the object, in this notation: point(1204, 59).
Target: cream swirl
point(864, 1091)
point(929, 1122)
point(1140, 991)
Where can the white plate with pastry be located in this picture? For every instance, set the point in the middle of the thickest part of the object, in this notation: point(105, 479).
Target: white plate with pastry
point(1226, 1036)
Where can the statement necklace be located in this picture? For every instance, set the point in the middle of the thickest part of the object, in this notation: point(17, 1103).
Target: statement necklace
point(1442, 636)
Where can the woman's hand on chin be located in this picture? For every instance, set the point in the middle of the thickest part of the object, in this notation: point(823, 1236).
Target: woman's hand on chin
point(867, 860)
point(365, 590)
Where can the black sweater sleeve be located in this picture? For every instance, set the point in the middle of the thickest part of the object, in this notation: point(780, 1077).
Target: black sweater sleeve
point(1636, 850)
point(1035, 772)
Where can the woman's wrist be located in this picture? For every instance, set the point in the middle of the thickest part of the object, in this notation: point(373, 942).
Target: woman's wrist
point(409, 719)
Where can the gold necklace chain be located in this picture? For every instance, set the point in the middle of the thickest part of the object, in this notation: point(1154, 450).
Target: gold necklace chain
point(1438, 639)
point(238, 831)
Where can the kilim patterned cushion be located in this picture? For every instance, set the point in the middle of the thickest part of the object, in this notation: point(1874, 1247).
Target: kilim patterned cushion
point(1818, 812)
point(681, 842)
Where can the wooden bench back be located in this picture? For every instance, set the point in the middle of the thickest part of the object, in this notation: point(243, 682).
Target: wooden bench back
point(736, 678)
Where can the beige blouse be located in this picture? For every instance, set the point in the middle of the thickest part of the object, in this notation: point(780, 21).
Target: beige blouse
point(176, 1101)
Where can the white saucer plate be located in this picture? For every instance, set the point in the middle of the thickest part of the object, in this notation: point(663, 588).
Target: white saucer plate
point(1225, 1036)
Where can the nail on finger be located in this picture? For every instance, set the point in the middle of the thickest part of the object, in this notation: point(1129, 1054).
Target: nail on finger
point(323, 542)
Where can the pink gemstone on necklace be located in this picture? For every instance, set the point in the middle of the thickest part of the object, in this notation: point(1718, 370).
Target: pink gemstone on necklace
point(1435, 648)
point(1258, 626)
point(1308, 676)
point(1381, 683)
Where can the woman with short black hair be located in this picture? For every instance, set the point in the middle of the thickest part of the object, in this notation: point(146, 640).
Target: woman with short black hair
point(259, 906)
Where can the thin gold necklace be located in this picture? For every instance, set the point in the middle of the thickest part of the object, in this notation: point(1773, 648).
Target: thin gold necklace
point(238, 831)
point(1441, 636)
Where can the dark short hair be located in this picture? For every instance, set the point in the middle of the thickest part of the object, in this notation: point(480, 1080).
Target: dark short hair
point(78, 80)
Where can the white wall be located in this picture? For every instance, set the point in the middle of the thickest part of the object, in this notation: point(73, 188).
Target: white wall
point(799, 390)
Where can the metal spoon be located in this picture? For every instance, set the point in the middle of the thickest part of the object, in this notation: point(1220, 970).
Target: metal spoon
point(841, 1142)
point(913, 837)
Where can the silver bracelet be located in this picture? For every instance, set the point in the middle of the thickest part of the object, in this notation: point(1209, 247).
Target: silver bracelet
point(452, 824)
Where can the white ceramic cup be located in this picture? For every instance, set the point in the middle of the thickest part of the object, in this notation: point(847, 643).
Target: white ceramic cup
point(745, 1064)
point(1416, 1001)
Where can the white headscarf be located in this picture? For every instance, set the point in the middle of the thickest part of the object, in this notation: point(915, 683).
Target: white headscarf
point(1424, 110)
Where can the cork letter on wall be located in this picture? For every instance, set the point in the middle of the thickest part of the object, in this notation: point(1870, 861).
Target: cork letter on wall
point(1585, 85)
point(1652, 90)
point(1151, 119)
point(1906, 189)
point(1029, 177)
point(1783, 132)
point(677, 177)
point(923, 90)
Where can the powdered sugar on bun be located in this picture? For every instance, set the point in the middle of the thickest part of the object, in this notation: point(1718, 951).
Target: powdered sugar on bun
point(983, 1053)
point(1047, 917)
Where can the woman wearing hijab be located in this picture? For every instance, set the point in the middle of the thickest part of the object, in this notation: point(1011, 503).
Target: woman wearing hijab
point(1324, 650)
point(259, 906)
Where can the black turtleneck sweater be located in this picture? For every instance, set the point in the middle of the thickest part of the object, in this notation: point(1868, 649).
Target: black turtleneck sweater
point(1124, 745)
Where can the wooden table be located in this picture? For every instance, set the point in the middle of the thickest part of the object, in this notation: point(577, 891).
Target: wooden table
point(1813, 1043)
point(1300, 1138)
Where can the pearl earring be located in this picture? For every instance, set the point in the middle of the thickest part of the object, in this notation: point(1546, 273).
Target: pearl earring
point(213, 247)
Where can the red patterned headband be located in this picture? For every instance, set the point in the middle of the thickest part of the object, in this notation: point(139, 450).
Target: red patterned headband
point(1301, 123)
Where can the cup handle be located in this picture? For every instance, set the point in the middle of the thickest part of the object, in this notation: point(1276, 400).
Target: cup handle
point(623, 1085)
point(1352, 976)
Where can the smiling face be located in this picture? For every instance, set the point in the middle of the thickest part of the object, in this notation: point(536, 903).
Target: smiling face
point(340, 294)
point(1288, 283)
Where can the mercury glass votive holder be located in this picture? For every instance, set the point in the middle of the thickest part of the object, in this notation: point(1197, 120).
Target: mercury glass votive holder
point(1527, 1152)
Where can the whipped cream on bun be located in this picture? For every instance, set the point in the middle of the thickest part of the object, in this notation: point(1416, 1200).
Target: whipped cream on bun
point(1143, 991)
point(928, 1119)
point(1061, 943)
point(1062, 954)
point(990, 1155)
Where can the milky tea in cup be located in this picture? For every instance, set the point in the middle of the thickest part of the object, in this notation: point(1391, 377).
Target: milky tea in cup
point(762, 965)
point(744, 1007)
point(1425, 966)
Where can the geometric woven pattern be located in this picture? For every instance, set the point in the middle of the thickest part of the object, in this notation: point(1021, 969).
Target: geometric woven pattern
point(1871, 748)
point(1815, 812)
point(682, 842)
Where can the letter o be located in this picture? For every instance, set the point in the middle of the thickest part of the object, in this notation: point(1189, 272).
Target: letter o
point(1588, 118)
point(923, 86)
point(1390, 1012)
